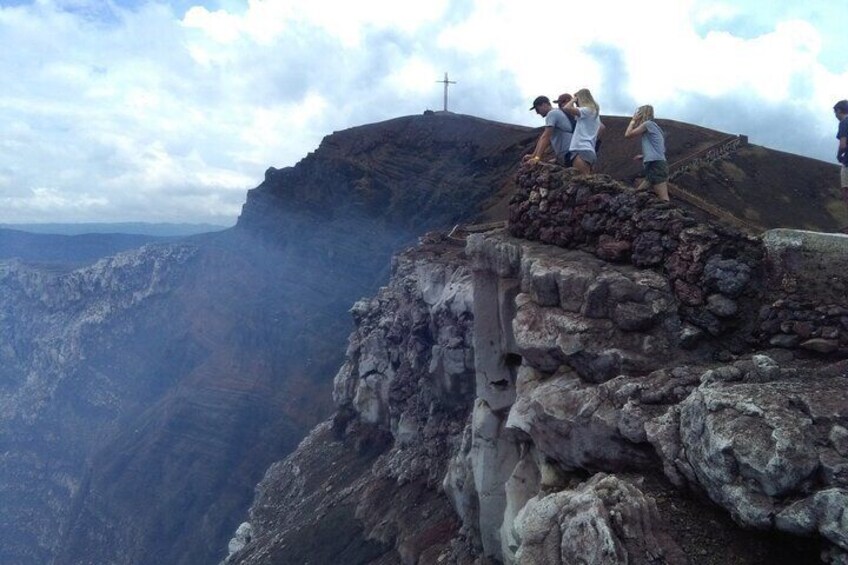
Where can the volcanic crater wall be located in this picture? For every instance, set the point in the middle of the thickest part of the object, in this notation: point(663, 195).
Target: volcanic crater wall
point(634, 400)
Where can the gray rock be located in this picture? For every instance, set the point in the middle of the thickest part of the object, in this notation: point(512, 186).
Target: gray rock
point(811, 261)
point(722, 374)
point(606, 520)
point(747, 446)
point(728, 276)
point(689, 336)
point(784, 340)
point(821, 345)
point(824, 512)
point(631, 422)
point(595, 301)
point(632, 316)
point(663, 433)
point(760, 368)
point(570, 422)
point(541, 283)
point(459, 485)
point(721, 306)
point(839, 439)
point(494, 455)
point(573, 282)
point(242, 537)
point(521, 486)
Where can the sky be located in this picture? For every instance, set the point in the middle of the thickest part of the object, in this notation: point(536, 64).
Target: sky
point(169, 111)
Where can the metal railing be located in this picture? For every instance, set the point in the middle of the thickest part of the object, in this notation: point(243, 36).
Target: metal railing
point(720, 150)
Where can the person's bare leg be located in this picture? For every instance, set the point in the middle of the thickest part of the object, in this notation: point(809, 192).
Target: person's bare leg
point(662, 191)
point(582, 166)
point(643, 186)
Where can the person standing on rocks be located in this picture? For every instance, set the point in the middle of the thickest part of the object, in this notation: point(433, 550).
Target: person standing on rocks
point(588, 114)
point(557, 133)
point(561, 102)
point(840, 109)
point(653, 150)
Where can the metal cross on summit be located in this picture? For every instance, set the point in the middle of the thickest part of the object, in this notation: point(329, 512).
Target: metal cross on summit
point(446, 82)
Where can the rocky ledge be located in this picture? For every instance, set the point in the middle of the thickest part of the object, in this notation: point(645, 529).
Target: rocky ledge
point(594, 394)
point(604, 389)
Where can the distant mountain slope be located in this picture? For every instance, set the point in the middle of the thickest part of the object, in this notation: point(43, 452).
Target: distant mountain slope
point(773, 188)
point(400, 174)
point(65, 250)
point(134, 228)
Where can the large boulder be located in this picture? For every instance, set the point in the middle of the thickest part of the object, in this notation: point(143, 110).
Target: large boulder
point(605, 521)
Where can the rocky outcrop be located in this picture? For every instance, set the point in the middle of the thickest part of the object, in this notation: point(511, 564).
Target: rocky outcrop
point(786, 289)
point(805, 277)
point(590, 398)
point(713, 274)
point(363, 487)
point(604, 520)
point(614, 417)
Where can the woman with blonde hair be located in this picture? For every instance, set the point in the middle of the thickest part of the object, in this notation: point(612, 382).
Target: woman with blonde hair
point(653, 150)
point(588, 114)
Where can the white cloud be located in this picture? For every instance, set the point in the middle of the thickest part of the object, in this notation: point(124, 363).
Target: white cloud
point(50, 200)
point(712, 12)
point(219, 25)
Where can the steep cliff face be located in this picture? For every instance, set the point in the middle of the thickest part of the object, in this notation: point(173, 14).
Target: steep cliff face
point(598, 394)
point(57, 402)
point(141, 398)
point(634, 401)
point(361, 488)
point(144, 397)
point(398, 178)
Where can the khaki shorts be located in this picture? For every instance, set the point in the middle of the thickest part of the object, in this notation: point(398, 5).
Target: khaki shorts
point(588, 156)
point(844, 175)
point(656, 172)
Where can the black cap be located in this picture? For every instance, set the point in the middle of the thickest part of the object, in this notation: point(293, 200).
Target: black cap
point(539, 101)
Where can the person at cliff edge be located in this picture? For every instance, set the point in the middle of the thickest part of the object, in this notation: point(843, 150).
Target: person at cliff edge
point(557, 133)
point(561, 103)
point(840, 109)
point(653, 150)
point(588, 114)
